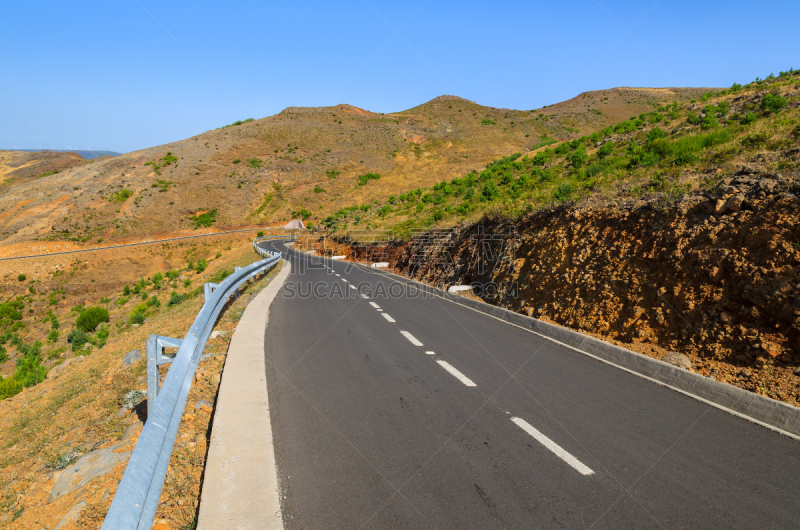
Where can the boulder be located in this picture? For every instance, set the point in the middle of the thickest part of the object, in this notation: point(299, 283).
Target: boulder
point(88, 467)
point(131, 357)
point(678, 359)
point(203, 405)
point(132, 431)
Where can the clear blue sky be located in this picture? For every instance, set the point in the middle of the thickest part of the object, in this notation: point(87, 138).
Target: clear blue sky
point(106, 75)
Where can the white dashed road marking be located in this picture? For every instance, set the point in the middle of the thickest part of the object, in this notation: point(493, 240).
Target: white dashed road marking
point(411, 338)
point(387, 317)
point(554, 447)
point(373, 304)
point(458, 375)
point(429, 352)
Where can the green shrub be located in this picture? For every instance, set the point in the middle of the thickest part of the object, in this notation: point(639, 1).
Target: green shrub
point(748, 118)
point(52, 336)
point(202, 264)
point(176, 299)
point(318, 189)
point(120, 196)
point(693, 118)
point(302, 212)
point(3, 355)
point(709, 122)
point(487, 121)
point(773, 103)
point(90, 318)
point(137, 318)
point(332, 173)
point(255, 162)
point(77, 338)
point(154, 302)
point(592, 170)
point(363, 179)
point(102, 335)
point(260, 234)
point(605, 150)
point(21, 278)
point(236, 161)
point(579, 157)
point(656, 134)
point(30, 371)
point(490, 191)
point(9, 387)
point(126, 290)
point(204, 219)
point(563, 193)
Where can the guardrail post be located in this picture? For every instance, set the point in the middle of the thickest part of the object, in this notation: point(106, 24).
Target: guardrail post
point(208, 288)
point(236, 291)
point(155, 358)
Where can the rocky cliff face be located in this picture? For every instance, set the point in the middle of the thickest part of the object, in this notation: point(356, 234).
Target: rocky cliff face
point(715, 276)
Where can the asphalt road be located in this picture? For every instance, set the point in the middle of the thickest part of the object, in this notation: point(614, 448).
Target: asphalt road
point(400, 411)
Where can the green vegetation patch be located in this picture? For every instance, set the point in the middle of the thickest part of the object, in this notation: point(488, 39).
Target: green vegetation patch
point(120, 196)
point(204, 219)
point(363, 179)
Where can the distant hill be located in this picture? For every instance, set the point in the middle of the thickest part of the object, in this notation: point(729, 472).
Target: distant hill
point(306, 161)
point(88, 155)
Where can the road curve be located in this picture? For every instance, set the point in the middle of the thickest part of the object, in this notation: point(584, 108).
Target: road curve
point(390, 410)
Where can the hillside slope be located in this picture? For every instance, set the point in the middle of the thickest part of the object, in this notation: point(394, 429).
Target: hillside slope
point(301, 160)
point(17, 167)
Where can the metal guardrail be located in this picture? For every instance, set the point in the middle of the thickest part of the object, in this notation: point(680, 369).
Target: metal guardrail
point(136, 500)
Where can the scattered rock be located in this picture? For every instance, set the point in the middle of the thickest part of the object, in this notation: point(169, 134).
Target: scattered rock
point(88, 467)
point(134, 325)
point(87, 346)
point(72, 515)
point(677, 359)
point(203, 405)
point(771, 349)
point(132, 431)
point(131, 357)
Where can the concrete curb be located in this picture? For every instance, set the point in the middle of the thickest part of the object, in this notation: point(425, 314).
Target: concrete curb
point(769, 413)
point(240, 487)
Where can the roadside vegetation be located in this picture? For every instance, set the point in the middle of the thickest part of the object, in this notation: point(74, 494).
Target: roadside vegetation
point(665, 153)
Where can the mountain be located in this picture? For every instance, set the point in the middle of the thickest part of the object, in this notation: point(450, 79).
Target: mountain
point(305, 160)
point(88, 155)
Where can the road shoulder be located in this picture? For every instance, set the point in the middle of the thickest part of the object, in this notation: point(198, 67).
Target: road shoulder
point(240, 486)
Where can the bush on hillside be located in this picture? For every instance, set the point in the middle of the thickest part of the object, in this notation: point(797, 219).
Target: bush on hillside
point(90, 318)
point(77, 338)
point(773, 103)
